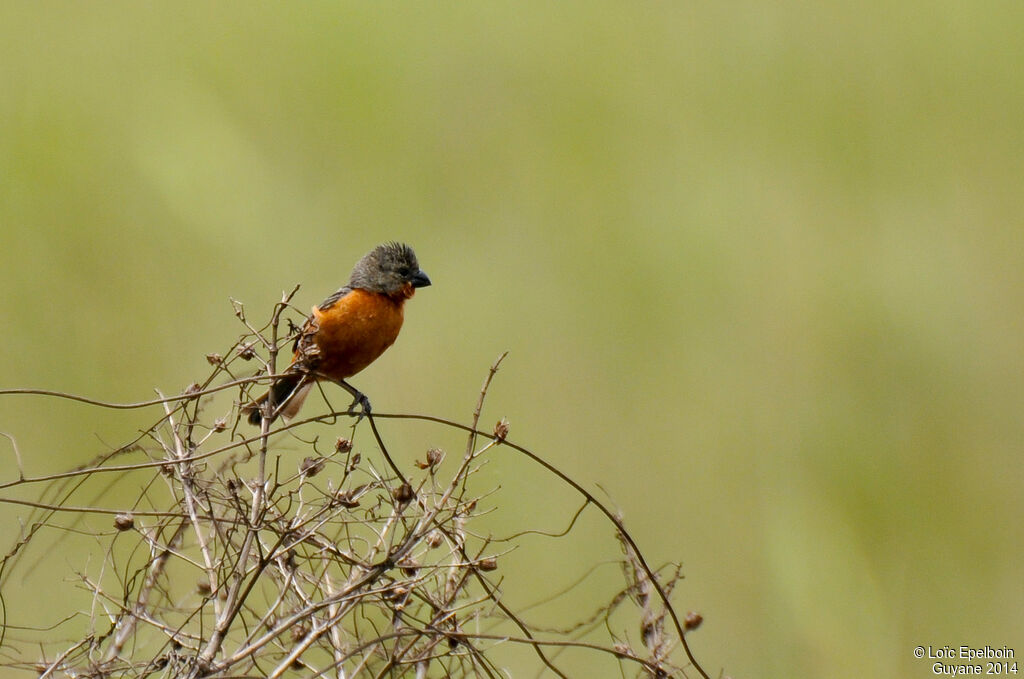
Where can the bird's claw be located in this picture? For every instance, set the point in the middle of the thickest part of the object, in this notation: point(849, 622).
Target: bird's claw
point(363, 403)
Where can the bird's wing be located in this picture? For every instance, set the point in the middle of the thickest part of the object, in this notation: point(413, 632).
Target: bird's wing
point(329, 302)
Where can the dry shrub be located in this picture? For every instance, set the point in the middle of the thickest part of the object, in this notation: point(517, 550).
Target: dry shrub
point(241, 558)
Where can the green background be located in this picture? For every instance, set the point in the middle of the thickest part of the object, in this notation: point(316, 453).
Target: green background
point(759, 267)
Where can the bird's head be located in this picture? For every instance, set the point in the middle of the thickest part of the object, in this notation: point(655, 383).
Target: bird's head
point(390, 269)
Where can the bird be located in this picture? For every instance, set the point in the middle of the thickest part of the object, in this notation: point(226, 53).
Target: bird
point(347, 331)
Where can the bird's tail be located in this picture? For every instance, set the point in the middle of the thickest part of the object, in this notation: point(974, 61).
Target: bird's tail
point(290, 391)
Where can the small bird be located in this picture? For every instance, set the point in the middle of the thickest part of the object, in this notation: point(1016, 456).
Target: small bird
point(348, 330)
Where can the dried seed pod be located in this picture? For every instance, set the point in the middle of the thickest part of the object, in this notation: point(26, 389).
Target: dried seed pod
point(124, 522)
point(246, 352)
point(488, 564)
point(692, 621)
point(403, 494)
point(214, 359)
point(346, 499)
point(398, 593)
point(501, 429)
point(434, 456)
point(311, 466)
point(343, 445)
point(647, 631)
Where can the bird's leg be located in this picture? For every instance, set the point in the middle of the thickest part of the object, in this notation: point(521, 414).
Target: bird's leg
point(358, 399)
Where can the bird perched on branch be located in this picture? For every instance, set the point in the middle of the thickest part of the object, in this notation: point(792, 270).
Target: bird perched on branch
point(347, 331)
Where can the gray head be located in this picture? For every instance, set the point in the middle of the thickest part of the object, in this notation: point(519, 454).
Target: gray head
point(390, 269)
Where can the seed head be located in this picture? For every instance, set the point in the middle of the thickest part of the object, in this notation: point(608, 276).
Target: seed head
point(501, 429)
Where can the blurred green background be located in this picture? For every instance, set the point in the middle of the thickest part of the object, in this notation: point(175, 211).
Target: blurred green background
point(760, 268)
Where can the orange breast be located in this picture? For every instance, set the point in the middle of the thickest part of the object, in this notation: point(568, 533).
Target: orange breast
point(355, 330)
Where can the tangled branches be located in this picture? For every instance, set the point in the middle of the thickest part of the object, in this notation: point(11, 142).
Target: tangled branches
point(242, 557)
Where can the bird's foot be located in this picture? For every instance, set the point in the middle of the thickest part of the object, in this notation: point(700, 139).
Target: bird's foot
point(363, 403)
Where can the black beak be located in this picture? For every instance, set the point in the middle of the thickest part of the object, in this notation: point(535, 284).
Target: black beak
point(420, 279)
